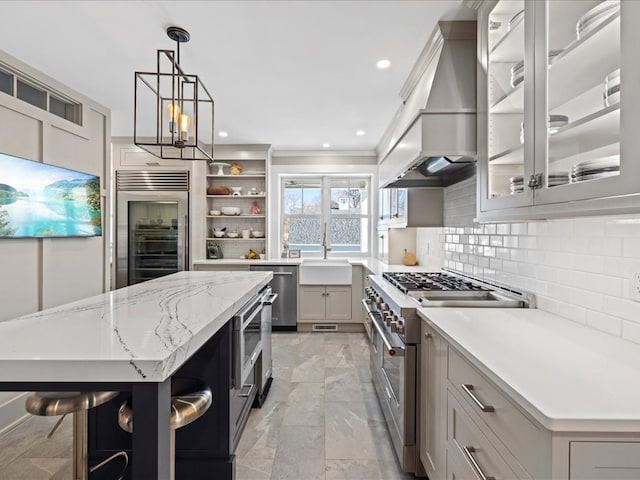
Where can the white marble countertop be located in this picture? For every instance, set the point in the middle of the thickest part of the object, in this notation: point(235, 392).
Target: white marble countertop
point(140, 333)
point(567, 376)
point(372, 264)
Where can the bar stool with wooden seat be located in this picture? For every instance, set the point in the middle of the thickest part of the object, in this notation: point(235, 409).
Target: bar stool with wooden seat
point(190, 399)
point(62, 403)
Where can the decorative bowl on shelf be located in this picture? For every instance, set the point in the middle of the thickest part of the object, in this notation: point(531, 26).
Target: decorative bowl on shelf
point(258, 233)
point(230, 210)
point(220, 166)
point(218, 233)
point(215, 213)
point(232, 234)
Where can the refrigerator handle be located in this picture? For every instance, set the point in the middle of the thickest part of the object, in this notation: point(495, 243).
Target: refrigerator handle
point(186, 243)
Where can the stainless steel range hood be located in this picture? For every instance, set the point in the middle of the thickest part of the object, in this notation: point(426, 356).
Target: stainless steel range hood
point(431, 141)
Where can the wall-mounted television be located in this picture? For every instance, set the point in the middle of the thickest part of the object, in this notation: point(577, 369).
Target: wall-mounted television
point(41, 200)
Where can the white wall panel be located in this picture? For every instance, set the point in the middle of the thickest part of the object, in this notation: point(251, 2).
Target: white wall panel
point(40, 273)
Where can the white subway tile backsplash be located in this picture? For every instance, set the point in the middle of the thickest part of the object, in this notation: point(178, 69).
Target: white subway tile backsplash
point(631, 247)
point(527, 242)
point(622, 307)
point(631, 331)
point(495, 240)
point(604, 284)
point(610, 246)
point(578, 268)
point(588, 227)
point(604, 322)
point(588, 263)
point(520, 229)
point(503, 229)
point(622, 226)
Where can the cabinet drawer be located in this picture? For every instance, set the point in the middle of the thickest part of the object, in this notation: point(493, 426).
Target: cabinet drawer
point(604, 461)
point(467, 445)
point(523, 438)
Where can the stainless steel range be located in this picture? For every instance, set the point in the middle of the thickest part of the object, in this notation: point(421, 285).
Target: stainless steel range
point(391, 303)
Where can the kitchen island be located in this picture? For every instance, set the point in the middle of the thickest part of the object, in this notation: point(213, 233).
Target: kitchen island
point(131, 340)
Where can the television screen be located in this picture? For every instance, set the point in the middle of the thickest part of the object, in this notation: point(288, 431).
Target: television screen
point(40, 200)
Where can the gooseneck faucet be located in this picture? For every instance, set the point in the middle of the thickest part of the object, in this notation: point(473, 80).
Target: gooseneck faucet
point(323, 244)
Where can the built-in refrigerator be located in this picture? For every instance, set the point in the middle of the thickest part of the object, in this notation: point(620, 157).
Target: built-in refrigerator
point(152, 225)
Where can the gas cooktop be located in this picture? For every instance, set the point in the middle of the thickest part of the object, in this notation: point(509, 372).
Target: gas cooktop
point(430, 281)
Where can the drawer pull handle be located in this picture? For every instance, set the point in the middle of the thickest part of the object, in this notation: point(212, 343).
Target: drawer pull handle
point(468, 388)
point(468, 453)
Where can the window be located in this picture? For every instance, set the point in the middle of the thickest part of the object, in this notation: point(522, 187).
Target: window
point(39, 96)
point(341, 204)
point(6, 82)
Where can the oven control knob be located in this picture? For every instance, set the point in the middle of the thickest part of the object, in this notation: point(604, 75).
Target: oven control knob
point(394, 326)
point(400, 327)
point(384, 307)
point(388, 318)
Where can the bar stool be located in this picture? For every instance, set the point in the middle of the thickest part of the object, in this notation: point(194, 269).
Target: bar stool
point(190, 399)
point(62, 403)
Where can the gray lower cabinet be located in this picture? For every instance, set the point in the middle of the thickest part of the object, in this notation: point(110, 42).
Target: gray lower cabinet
point(605, 461)
point(432, 411)
point(470, 428)
point(325, 304)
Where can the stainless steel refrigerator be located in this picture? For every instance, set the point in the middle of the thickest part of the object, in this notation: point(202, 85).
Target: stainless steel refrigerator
point(152, 225)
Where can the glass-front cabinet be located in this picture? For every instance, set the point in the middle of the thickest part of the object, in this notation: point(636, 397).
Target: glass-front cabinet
point(558, 127)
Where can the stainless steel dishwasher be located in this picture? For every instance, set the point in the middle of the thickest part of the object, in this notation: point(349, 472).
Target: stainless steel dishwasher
point(285, 284)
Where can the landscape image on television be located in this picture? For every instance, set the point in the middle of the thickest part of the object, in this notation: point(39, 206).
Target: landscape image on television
point(41, 200)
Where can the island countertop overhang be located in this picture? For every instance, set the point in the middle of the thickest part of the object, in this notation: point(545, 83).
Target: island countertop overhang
point(140, 333)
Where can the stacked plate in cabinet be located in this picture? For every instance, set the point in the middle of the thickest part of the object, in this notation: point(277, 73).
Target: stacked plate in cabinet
point(517, 184)
point(597, 15)
point(594, 169)
point(612, 88)
point(517, 71)
point(556, 121)
point(557, 178)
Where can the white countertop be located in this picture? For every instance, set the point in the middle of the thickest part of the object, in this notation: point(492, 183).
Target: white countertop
point(567, 376)
point(372, 264)
point(144, 332)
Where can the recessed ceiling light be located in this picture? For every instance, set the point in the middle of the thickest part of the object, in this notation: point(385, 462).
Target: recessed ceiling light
point(382, 64)
point(325, 145)
point(223, 134)
point(360, 133)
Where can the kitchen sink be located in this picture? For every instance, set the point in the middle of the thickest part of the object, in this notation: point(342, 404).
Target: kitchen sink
point(330, 271)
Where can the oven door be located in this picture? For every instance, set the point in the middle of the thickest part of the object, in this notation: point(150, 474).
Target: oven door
point(388, 374)
point(247, 335)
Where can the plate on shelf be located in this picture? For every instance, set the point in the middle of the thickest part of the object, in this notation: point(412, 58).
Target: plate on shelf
point(515, 20)
point(594, 176)
point(605, 162)
point(597, 15)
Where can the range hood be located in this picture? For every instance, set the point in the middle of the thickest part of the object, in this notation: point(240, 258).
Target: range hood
point(431, 141)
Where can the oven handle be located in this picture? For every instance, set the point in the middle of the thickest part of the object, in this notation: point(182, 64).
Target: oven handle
point(270, 299)
point(391, 350)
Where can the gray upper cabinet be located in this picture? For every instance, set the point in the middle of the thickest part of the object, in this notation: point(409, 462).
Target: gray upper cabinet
point(556, 136)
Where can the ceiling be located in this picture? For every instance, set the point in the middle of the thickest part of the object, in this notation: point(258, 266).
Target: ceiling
point(294, 74)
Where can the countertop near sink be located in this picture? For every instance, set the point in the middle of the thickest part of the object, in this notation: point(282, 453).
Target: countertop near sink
point(375, 266)
point(566, 375)
point(140, 333)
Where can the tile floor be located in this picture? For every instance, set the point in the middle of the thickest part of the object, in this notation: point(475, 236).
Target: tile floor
point(321, 421)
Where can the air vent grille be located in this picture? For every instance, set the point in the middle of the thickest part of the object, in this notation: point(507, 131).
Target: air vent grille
point(142, 181)
point(324, 328)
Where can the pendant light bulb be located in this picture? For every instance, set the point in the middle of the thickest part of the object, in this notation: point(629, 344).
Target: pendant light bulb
point(185, 120)
point(173, 110)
